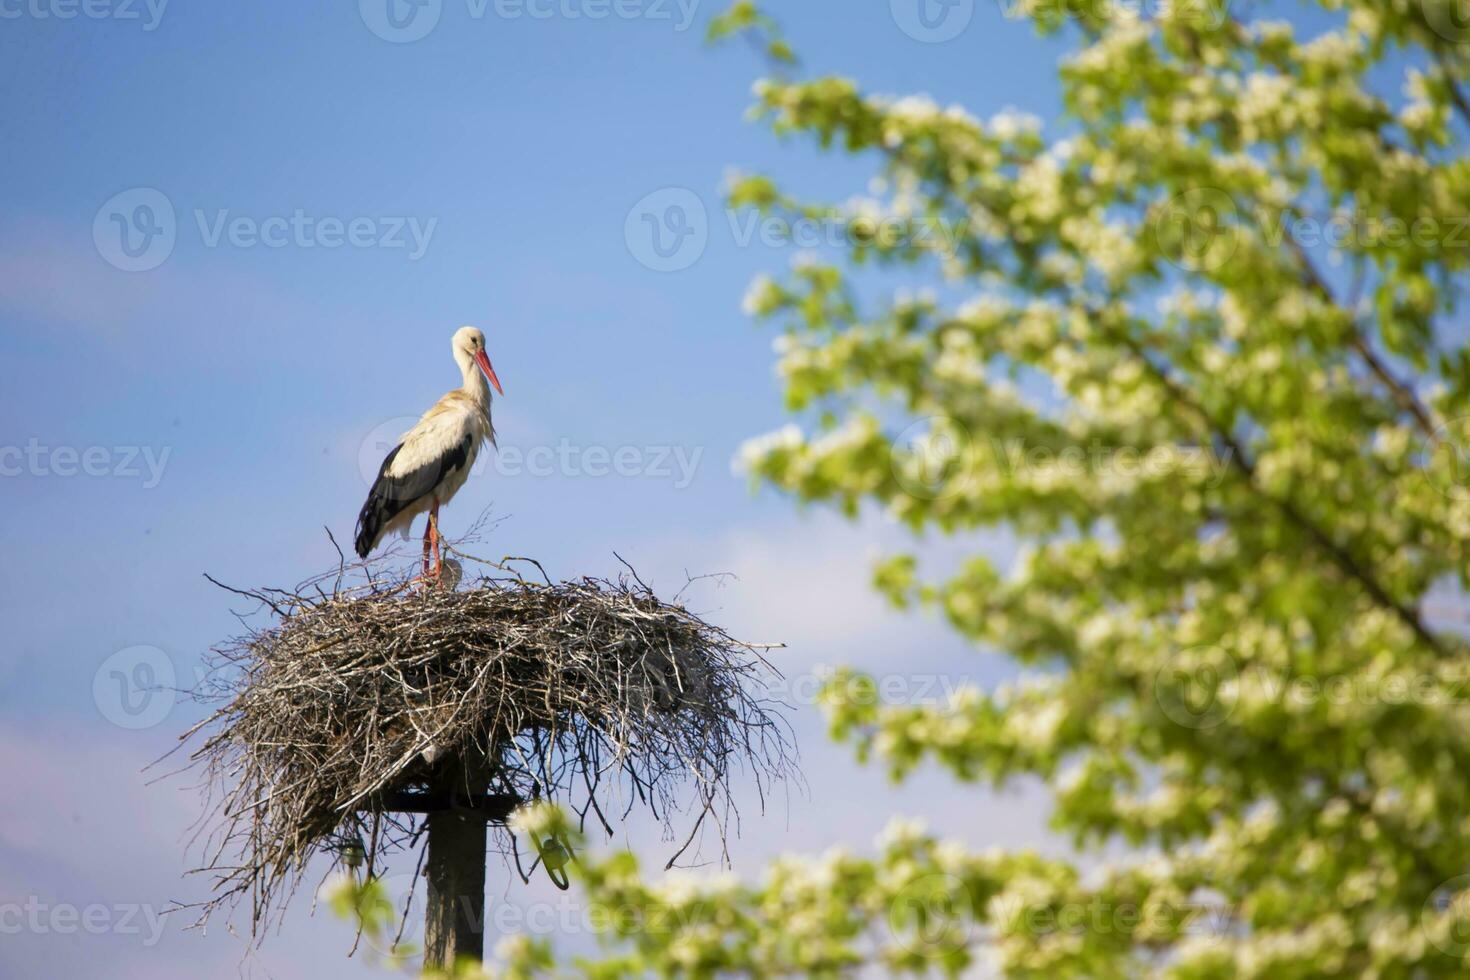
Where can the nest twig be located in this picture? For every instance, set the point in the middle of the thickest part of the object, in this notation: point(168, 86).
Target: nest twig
point(590, 692)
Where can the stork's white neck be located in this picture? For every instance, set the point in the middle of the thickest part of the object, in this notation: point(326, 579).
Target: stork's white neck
point(475, 384)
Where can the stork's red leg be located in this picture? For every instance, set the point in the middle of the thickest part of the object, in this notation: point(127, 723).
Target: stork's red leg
point(428, 531)
point(434, 528)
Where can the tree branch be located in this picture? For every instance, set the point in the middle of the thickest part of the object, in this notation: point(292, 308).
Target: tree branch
point(1340, 555)
point(1403, 395)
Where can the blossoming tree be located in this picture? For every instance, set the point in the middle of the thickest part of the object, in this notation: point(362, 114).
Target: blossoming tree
point(1215, 310)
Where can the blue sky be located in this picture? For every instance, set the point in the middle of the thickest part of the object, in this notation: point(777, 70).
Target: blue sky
point(209, 413)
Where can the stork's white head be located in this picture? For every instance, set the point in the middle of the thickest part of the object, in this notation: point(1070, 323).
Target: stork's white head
point(469, 349)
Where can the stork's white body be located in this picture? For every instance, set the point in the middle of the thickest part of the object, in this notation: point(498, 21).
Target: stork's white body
point(455, 420)
point(433, 459)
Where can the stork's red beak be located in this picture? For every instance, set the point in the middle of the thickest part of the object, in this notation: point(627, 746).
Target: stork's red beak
point(484, 362)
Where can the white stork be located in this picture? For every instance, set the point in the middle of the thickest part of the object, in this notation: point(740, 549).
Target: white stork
point(433, 459)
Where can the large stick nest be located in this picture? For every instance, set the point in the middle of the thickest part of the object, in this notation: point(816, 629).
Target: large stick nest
point(593, 693)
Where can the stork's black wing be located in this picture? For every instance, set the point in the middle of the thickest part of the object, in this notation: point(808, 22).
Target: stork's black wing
point(390, 495)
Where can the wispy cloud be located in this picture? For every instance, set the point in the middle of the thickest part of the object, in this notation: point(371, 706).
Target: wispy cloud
point(84, 834)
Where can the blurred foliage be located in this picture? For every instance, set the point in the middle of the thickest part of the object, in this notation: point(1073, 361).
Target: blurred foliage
point(1198, 349)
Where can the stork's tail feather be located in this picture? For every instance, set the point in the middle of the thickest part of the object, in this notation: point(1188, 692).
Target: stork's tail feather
point(379, 509)
point(374, 517)
point(375, 513)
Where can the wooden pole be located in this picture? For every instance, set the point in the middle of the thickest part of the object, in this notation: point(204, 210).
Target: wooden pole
point(454, 924)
